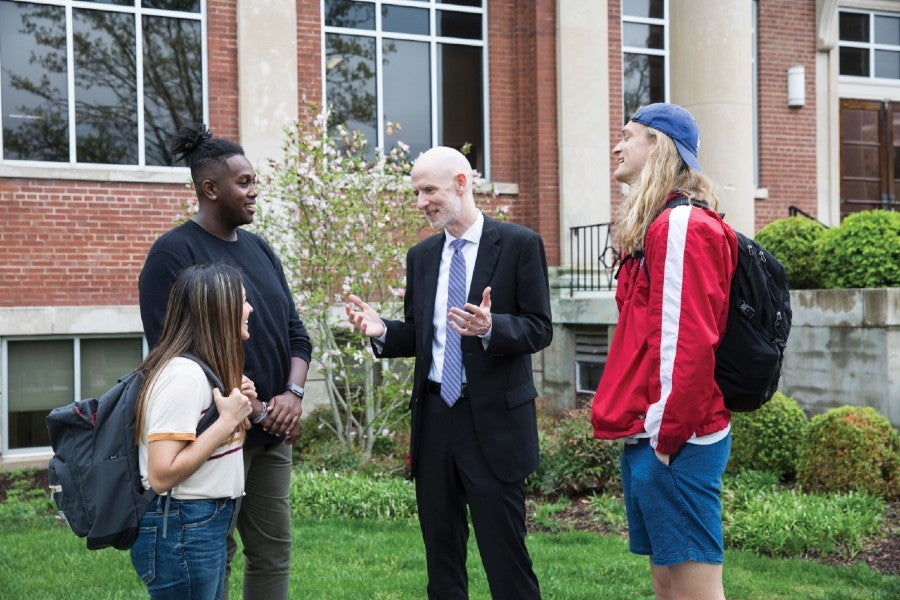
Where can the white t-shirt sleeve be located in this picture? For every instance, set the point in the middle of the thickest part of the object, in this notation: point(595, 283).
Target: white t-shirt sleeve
point(178, 398)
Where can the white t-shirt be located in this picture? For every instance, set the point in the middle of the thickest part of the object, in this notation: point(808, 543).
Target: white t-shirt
point(179, 396)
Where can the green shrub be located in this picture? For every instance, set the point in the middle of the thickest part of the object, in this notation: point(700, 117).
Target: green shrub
point(25, 505)
point(851, 448)
point(864, 252)
point(794, 241)
point(572, 461)
point(323, 495)
point(777, 522)
point(609, 510)
point(768, 439)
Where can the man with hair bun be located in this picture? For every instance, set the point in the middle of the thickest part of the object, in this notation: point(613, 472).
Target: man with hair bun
point(277, 355)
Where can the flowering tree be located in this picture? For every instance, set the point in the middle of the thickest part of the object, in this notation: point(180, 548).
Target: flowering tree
point(341, 218)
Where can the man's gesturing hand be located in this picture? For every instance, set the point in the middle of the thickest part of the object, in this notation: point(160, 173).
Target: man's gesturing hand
point(363, 317)
point(471, 319)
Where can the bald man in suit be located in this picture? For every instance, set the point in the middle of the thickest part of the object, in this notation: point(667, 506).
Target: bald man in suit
point(473, 448)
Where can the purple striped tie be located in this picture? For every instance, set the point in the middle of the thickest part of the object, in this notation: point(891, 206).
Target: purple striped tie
point(451, 378)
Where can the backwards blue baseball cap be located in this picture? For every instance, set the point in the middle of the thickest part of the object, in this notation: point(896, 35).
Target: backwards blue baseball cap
point(677, 123)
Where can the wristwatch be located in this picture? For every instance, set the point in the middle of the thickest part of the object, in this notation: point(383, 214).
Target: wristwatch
point(294, 389)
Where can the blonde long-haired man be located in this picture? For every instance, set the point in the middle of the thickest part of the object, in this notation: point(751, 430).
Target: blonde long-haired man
point(658, 390)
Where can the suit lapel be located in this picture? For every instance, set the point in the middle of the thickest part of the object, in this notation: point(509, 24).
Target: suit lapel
point(431, 264)
point(486, 260)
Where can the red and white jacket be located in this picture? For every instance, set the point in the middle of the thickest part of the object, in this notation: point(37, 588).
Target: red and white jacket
point(673, 304)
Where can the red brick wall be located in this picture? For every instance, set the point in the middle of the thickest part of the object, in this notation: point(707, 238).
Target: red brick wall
point(787, 136)
point(80, 243)
point(309, 55)
point(616, 109)
point(523, 117)
point(221, 29)
point(67, 243)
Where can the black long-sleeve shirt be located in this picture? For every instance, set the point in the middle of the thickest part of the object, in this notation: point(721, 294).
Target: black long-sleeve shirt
point(276, 332)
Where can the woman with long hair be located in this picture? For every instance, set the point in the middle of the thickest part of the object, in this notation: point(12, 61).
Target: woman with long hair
point(658, 389)
point(180, 551)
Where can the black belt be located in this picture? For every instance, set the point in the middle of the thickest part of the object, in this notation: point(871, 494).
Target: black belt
point(435, 388)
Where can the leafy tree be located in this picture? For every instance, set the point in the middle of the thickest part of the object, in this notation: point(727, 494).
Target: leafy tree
point(341, 223)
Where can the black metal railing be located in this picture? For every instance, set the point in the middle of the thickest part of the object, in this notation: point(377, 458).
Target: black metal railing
point(592, 257)
point(794, 211)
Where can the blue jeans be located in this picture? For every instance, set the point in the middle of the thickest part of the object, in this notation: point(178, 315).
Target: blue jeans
point(189, 563)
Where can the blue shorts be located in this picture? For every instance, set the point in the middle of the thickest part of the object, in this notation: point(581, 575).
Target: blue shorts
point(675, 512)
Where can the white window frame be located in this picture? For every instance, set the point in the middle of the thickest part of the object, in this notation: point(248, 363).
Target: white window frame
point(664, 22)
point(871, 46)
point(597, 340)
point(5, 450)
point(433, 40)
point(107, 172)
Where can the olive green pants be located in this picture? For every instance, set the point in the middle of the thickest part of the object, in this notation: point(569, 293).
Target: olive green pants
point(264, 524)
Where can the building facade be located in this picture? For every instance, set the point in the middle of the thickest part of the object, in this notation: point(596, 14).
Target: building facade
point(797, 101)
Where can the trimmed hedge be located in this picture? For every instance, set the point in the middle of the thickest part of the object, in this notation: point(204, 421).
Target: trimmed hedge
point(794, 242)
point(769, 439)
point(851, 448)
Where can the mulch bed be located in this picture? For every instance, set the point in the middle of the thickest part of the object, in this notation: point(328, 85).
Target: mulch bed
point(880, 554)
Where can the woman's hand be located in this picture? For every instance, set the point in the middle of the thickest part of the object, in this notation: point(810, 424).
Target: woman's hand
point(234, 408)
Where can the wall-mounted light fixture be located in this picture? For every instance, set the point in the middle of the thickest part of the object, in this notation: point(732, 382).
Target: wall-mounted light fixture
point(796, 86)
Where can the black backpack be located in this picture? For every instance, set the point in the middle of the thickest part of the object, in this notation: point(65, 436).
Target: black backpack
point(94, 475)
point(751, 352)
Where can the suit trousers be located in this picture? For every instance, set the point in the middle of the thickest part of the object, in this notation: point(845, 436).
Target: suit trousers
point(452, 472)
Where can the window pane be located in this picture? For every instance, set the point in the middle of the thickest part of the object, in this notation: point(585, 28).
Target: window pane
point(353, 15)
point(643, 8)
point(589, 374)
point(854, 61)
point(644, 81)
point(41, 374)
point(854, 27)
point(407, 94)
point(887, 30)
point(887, 64)
point(461, 121)
point(461, 2)
point(103, 361)
point(403, 19)
point(350, 82)
point(860, 126)
point(33, 82)
point(459, 25)
point(105, 87)
point(173, 82)
point(860, 161)
point(115, 2)
point(182, 5)
point(639, 35)
point(41, 377)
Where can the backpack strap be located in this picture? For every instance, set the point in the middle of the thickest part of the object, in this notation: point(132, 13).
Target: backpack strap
point(210, 416)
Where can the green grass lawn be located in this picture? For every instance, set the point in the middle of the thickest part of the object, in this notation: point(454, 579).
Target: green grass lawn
point(376, 560)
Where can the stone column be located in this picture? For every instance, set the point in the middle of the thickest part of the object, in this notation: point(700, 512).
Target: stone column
point(710, 75)
point(583, 88)
point(267, 75)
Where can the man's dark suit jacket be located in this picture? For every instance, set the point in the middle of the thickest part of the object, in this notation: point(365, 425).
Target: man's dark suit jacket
point(512, 262)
